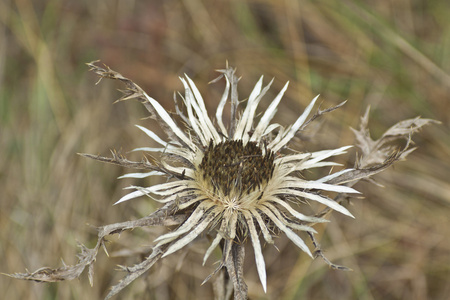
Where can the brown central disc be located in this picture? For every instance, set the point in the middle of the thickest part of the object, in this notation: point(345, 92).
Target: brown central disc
point(231, 165)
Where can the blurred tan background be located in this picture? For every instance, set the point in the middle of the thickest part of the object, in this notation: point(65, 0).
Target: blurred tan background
point(391, 55)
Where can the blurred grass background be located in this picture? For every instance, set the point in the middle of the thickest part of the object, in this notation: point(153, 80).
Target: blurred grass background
point(391, 55)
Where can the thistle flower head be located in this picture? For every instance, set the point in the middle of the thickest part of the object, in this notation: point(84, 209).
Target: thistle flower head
point(235, 181)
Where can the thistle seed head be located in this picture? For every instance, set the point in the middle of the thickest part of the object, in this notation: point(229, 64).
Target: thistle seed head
point(233, 167)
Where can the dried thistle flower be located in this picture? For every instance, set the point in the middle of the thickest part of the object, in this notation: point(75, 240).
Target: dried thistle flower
point(235, 182)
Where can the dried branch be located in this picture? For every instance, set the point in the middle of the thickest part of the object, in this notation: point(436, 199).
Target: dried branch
point(376, 151)
point(235, 268)
point(318, 252)
point(318, 114)
point(376, 156)
point(120, 160)
point(136, 271)
point(353, 176)
point(87, 256)
point(133, 91)
point(229, 73)
point(145, 164)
